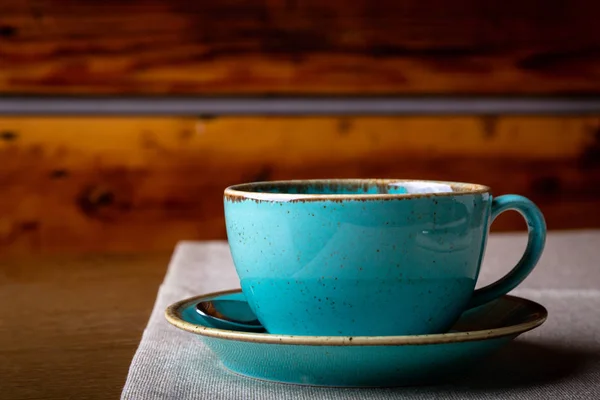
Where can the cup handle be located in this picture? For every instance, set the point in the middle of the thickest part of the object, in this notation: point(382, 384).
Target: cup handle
point(535, 245)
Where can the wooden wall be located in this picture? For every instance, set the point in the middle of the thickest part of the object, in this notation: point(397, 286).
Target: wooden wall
point(131, 184)
point(298, 47)
point(78, 184)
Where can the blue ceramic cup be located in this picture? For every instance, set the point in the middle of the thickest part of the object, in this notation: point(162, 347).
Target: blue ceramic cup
point(368, 257)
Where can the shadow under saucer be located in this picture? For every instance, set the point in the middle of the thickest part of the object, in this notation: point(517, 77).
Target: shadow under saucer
point(523, 363)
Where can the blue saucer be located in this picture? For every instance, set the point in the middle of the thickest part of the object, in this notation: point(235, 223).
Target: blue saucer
point(363, 361)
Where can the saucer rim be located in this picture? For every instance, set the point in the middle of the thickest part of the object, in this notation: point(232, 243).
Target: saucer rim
point(173, 316)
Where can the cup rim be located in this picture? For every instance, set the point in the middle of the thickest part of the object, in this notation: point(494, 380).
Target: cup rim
point(248, 191)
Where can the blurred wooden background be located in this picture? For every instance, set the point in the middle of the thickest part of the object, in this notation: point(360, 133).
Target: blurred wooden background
point(75, 184)
point(292, 47)
point(125, 184)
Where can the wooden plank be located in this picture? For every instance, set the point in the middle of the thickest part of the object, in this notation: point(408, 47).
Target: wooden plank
point(132, 184)
point(71, 324)
point(292, 47)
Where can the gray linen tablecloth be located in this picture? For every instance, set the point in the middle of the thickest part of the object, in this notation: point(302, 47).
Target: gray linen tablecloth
point(560, 360)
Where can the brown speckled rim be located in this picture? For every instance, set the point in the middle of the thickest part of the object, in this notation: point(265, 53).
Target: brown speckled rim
point(249, 190)
point(537, 316)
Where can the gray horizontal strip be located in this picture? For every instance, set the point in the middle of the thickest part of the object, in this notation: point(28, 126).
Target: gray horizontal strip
point(294, 106)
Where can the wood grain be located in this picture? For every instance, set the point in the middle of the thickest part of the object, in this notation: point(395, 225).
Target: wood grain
point(133, 184)
point(299, 47)
point(69, 326)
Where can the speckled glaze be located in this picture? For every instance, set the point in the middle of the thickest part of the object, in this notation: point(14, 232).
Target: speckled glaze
point(367, 257)
point(363, 361)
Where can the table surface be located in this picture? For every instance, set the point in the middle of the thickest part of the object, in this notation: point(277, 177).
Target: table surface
point(69, 326)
